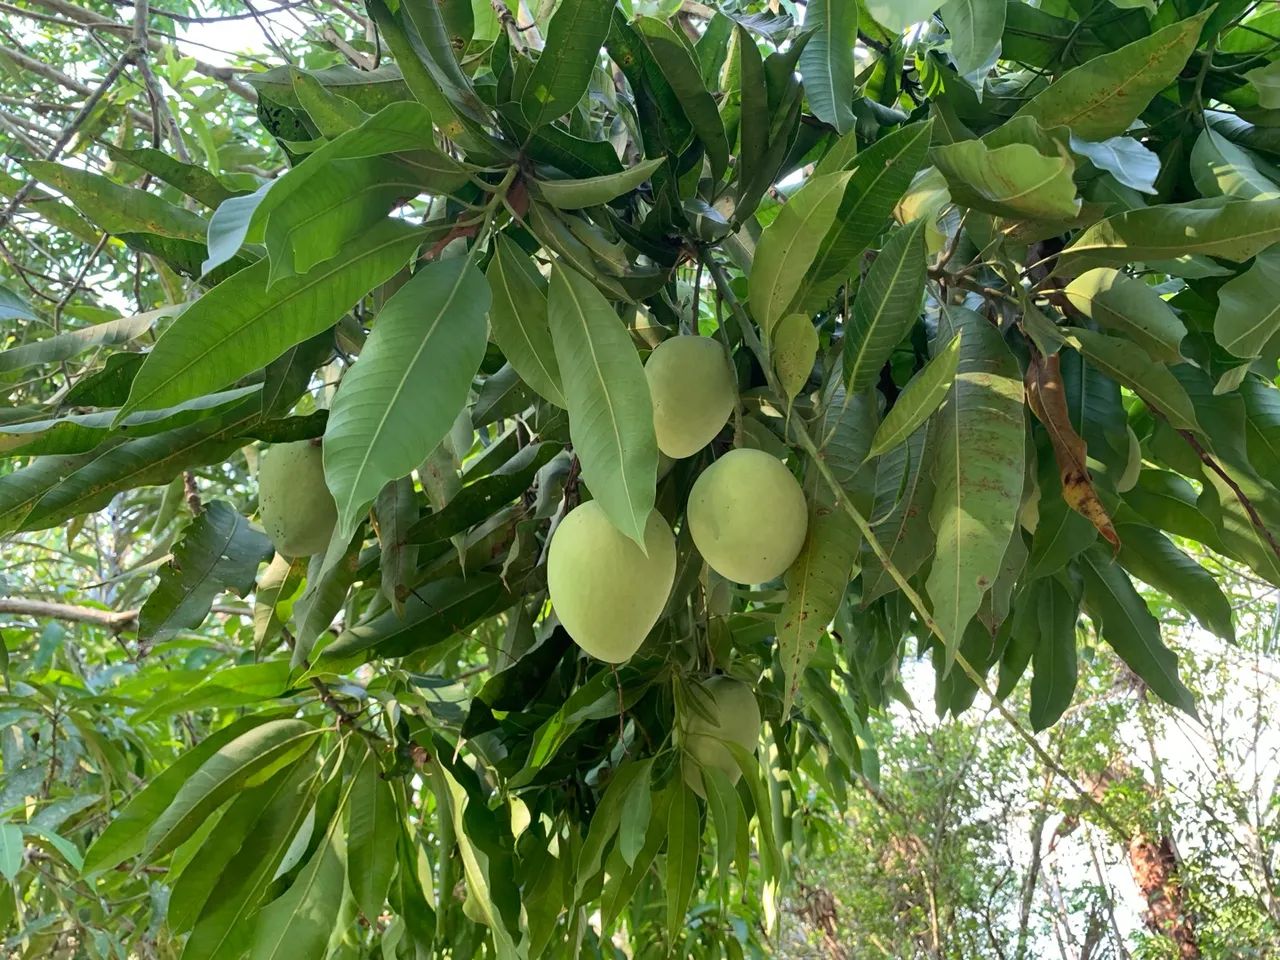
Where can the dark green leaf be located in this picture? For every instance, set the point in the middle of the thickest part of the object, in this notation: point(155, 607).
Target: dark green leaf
point(1127, 625)
point(239, 326)
point(560, 77)
point(886, 308)
point(219, 551)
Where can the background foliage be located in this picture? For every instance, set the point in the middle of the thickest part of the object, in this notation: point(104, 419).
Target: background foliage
point(998, 282)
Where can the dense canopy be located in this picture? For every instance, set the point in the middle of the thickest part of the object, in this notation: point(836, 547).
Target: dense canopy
point(988, 299)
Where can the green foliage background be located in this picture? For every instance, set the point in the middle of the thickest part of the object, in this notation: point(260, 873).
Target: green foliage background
point(999, 285)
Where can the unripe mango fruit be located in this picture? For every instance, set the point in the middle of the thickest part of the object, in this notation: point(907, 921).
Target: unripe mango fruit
point(607, 593)
point(296, 508)
point(737, 720)
point(748, 516)
point(693, 391)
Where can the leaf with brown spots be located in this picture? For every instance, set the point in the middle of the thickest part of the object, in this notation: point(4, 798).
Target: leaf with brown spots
point(1048, 402)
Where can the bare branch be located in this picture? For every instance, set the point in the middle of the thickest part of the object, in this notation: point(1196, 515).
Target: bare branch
point(113, 620)
point(97, 21)
point(68, 132)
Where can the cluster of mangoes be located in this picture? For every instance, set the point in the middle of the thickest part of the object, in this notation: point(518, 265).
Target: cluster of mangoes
point(746, 514)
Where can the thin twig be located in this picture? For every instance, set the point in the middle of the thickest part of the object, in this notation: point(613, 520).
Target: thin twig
point(68, 132)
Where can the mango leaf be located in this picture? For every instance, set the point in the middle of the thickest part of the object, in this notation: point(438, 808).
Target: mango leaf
point(53, 488)
point(64, 346)
point(191, 883)
point(1262, 407)
point(373, 829)
point(432, 614)
point(329, 579)
point(348, 185)
point(790, 244)
point(1152, 557)
point(1130, 365)
point(249, 759)
point(815, 584)
point(684, 844)
point(231, 226)
point(826, 63)
point(593, 191)
point(108, 385)
point(887, 306)
point(471, 821)
point(1054, 657)
point(125, 835)
point(1046, 396)
point(219, 551)
point(298, 923)
point(1221, 169)
point(1231, 229)
point(435, 49)
point(1126, 624)
point(14, 307)
point(230, 687)
point(240, 325)
point(1265, 81)
point(119, 209)
point(1061, 533)
point(671, 52)
point(1013, 180)
point(1120, 303)
point(560, 77)
point(332, 113)
point(922, 395)
point(518, 319)
point(192, 179)
point(1125, 158)
point(628, 789)
point(413, 376)
point(81, 432)
point(881, 175)
point(11, 851)
point(978, 470)
point(482, 498)
point(341, 199)
point(610, 411)
point(1248, 308)
point(1100, 98)
point(370, 90)
point(396, 510)
point(277, 584)
point(900, 511)
point(223, 928)
point(733, 842)
point(975, 27)
point(794, 350)
point(896, 15)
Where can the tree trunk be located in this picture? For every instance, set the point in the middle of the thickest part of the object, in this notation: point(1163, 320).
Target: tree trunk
point(1155, 871)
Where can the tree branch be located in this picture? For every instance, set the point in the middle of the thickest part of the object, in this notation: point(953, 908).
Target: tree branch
point(1241, 496)
point(53, 74)
point(97, 21)
point(113, 620)
point(69, 131)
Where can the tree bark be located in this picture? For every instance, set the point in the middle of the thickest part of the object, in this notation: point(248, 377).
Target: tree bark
point(1155, 870)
